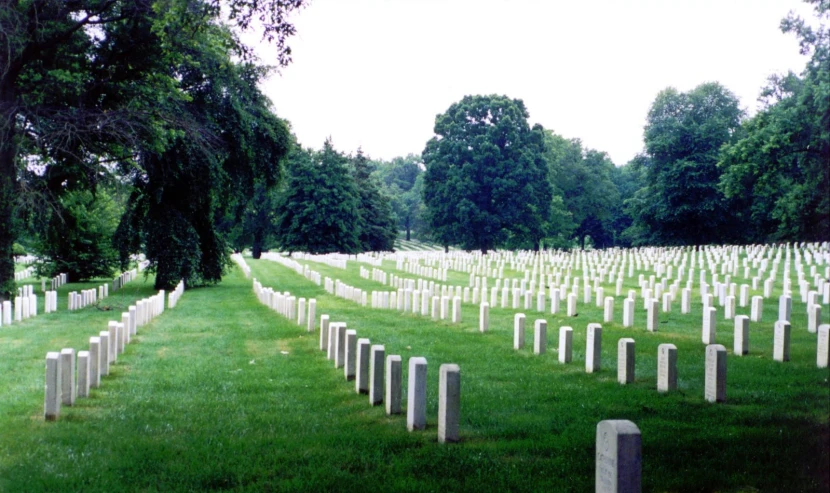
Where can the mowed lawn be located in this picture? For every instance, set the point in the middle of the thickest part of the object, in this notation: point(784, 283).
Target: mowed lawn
point(223, 393)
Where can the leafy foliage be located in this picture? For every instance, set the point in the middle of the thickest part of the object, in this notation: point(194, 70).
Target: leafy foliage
point(376, 223)
point(778, 170)
point(683, 202)
point(78, 240)
point(90, 82)
point(318, 210)
point(486, 175)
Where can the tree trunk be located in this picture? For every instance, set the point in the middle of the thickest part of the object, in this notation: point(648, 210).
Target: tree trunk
point(407, 228)
point(256, 248)
point(8, 188)
point(446, 249)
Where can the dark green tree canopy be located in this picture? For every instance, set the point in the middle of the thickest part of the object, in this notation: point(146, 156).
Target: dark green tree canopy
point(683, 137)
point(89, 82)
point(318, 210)
point(486, 175)
point(376, 223)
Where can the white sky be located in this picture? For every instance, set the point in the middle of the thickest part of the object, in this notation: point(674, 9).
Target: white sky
point(375, 73)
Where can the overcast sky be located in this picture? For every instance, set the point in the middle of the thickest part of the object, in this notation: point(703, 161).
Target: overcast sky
point(375, 73)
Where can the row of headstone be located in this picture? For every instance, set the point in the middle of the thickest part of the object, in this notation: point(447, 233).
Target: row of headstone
point(302, 311)
point(364, 363)
point(173, 297)
point(69, 378)
point(126, 277)
point(24, 307)
point(81, 299)
point(243, 266)
point(25, 273)
point(54, 283)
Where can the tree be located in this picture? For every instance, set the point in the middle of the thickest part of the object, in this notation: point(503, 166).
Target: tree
point(402, 180)
point(683, 135)
point(376, 223)
point(486, 175)
point(78, 240)
point(229, 140)
point(583, 179)
point(318, 209)
point(81, 83)
point(777, 172)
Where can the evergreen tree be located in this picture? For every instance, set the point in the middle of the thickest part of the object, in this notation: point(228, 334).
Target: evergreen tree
point(318, 209)
point(376, 224)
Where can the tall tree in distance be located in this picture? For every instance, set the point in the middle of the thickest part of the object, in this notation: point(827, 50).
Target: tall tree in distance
point(402, 180)
point(486, 175)
point(318, 209)
point(376, 224)
point(683, 136)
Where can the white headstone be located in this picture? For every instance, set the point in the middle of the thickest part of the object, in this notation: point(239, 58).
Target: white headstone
point(376, 357)
point(540, 336)
point(823, 347)
point(519, 331)
point(449, 403)
point(715, 388)
point(483, 316)
point(618, 457)
point(565, 344)
point(593, 351)
point(52, 401)
point(781, 344)
point(741, 339)
point(666, 367)
point(394, 375)
point(361, 379)
point(625, 360)
point(68, 391)
point(416, 399)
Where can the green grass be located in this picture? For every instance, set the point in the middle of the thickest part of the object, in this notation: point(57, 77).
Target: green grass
point(205, 398)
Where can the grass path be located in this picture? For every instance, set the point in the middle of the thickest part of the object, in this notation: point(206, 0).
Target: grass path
point(222, 393)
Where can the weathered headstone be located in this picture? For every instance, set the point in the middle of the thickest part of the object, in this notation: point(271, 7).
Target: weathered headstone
point(823, 346)
point(82, 386)
point(483, 316)
point(625, 360)
point(666, 367)
point(456, 310)
point(572, 305)
point(94, 362)
point(652, 314)
point(608, 313)
point(709, 325)
point(361, 380)
point(68, 391)
point(339, 352)
point(449, 403)
point(618, 457)
point(416, 399)
point(628, 312)
point(785, 307)
point(52, 401)
point(593, 351)
point(757, 309)
point(566, 344)
point(781, 345)
point(813, 318)
point(350, 356)
point(394, 375)
point(104, 350)
point(540, 336)
point(376, 357)
point(324, 332)
point(519, 331)
point(741, 338)
point(715, 387)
